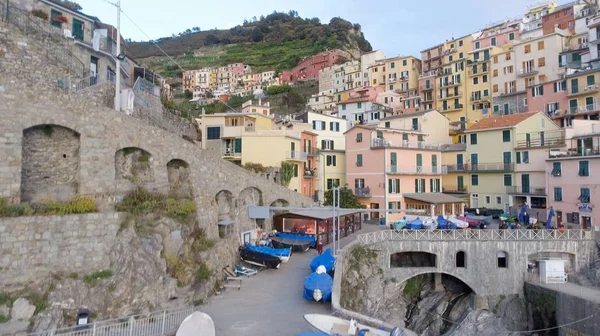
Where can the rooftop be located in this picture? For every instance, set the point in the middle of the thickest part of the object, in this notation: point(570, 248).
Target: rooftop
point(495, 122)
point(434, 198)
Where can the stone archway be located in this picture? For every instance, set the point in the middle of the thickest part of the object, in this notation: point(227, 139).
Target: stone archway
point(476, 290)
point(248, 197)
point(50, 163)
point(280, 203)
point(180, 184)
point(134, 164)
point(226, 213)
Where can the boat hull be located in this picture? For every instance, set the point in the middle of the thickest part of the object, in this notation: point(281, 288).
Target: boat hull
point(332, 325)
point(259, 259)
point(296, 245)
point(196, 324)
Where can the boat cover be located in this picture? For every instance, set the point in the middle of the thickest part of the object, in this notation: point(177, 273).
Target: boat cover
point(267, 260)
point(323, 282)
point(277, 252)
point(326, 259)
point(311, 334)
point(313, 240)
point(442, 222)
point(415, 225)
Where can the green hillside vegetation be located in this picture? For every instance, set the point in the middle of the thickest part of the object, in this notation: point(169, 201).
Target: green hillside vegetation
point(275, 42)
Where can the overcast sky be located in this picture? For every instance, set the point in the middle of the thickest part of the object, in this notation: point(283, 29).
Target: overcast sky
point(398, 27)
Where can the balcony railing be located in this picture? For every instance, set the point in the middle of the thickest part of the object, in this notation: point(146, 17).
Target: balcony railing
point(250, 128)
point(490, 167)
point(480, 98)
point(362, 192)
point(454, 147)
point(231, 152)
point(541, 142)
point(426, 88)
point(576, 91)
point(450, 95)
point(449, 83)
point(392, 79)
point(415, 170)
point(481, 71)
point(295, 156)
point(528, 72)
point(574, 152)
point(452, 107)
point(515, 190)
point(457, 168)
point(310, 173)
point(582, 109)
point(312, 151)
point(597, 38)
point(383, 143)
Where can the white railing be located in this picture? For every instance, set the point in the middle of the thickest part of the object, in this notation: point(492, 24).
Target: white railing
point(160, 323)
point(416, 170)
point(450, 235)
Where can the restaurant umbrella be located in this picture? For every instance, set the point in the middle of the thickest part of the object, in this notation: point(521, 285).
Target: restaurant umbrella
point(549, 221)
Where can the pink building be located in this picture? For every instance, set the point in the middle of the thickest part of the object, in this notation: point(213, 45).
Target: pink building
point(427, 89)
point(309, 67)
point(395, 170)
point(551, 100)
point(236, 68)
point(573, 189)
point(497, 35)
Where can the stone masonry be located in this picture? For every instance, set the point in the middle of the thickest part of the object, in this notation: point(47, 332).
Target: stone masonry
point(30, 98)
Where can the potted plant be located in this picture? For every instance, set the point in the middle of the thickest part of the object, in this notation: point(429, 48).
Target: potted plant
point(40, 14)
point(60, 18)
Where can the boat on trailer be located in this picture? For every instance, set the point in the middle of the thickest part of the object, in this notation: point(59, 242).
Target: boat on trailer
point(259, 259)
point(296, 242)
point(197, 323)
point(281, 253)
point(332, 325)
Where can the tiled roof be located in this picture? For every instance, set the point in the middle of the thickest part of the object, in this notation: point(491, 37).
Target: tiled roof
point(499, 122)
point(356, 100)
point(434, 198)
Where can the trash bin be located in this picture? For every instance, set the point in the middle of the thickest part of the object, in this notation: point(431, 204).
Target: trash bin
point(382, 221)
point(83, 319)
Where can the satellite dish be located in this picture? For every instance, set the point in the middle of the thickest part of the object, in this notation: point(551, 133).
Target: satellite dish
point(259, 93)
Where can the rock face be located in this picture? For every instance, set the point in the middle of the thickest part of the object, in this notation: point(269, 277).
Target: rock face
point(22, 310)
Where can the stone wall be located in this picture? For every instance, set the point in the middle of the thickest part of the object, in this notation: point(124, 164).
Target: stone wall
point(32, 247)
point(31, 98)
point(149, 108)
point(515, 101)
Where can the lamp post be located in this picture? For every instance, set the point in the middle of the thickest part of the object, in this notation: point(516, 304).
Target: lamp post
point(118, 60)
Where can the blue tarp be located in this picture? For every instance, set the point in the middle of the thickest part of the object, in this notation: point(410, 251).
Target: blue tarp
point(442, 222)
point(311, 334)
point(549, 220)
point(322, 282)
point(298, 237)
point(326, 259)
point(277, 252)
point(417, 224)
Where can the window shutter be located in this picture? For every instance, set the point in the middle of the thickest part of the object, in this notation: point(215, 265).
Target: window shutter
point(564, 85)
point(323, 144)
point(431, 185)
point(518, 157)
point(541, 90)
point(416, 185)
point(389, 185)
point(329, 160)
point(332, 145)
point(314, 124)
point(556, 86)
point(331, 126)
point(533, 92)
point(334, 160)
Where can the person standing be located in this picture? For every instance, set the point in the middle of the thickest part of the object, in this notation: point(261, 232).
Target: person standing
point(319, 247)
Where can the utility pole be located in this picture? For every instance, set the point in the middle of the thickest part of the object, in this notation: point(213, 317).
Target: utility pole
point(338, 216)
point(117, 59)
point(333, 195)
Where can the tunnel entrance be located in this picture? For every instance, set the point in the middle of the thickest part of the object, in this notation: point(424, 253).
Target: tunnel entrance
point(413, 259)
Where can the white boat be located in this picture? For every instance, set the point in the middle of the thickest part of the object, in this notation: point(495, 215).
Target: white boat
point(429, 223)
point(459, 223)
point(197, 324)
point(332, 325)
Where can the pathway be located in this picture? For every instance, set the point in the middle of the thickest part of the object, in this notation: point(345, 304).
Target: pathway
point(569, 288)
point(271, 302)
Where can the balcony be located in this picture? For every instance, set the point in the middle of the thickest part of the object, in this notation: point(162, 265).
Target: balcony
point(597, 38)
point(574, 152)
point(457, 168)
point(454, 147)
point(535, 191)
point(450, 95)
point(427, 99)
point(311, 152)
point(478, 72)
point(498, 167)
point(250, 128)
point(426, 88)
point(415, 170)
point(449, 51)
point(451, 108)
point(457, 190)
point(549, 140)
point(480, 98)
point(576, 91)
point(528, 72)
point(392, 79)
point(402, 90)
point(582, 109)
point(403, 78)
point(575, 47)
point(295, 156)
point(362, 192)
point(230, 153)
point(383, 143)
point(310, 173)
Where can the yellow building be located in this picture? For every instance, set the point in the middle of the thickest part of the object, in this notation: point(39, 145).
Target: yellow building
point(243, 138)
point(456, 180)
point(377, 73)
point(402, 74)
point(583, 93)
point(479, 82)
point(505, 160)
point(188, 81)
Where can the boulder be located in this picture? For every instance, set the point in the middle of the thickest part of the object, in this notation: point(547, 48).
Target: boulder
point(22, 310)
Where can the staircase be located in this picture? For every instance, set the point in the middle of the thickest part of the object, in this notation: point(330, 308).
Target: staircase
point(41, 34)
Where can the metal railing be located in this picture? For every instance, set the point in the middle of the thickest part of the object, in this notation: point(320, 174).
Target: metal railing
point(159, 323)
point(44, 36)
point(415, 170)
point(362, 192)
point(574, 152)
point(311, 151)
point(490, 167)
point(528, 71)
point(383, 143)
point(516, 190)
point(539, 142)
point(581, 90)
point(474, 235)
point(457, 168)
point(295, 155)
point(582, 109)
point(454, 147)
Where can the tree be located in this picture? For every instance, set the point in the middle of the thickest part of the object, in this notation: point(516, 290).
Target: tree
point(257, 35)
point(347, 199)
point(262, 17)
point(196, 29)
point(188, 94)
point(188, 31)
point(211, 39)
point(254, 19)
point(246, 22)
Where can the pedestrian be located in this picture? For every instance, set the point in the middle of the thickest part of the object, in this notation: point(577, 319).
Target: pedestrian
point(319, 247)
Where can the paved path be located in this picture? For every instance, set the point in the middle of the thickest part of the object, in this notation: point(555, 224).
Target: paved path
point(569, 288)
point(271, 302)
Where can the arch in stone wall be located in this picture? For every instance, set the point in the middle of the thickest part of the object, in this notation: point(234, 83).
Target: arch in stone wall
point(476, 290)
point(180, 180)
point(280, 203)
point(226, 213)
point(134, 164)
point(50, 163)
point(251, 196)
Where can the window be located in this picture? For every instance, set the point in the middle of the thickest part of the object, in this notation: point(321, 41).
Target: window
point(332, 160)
point(556, 169)
point(213, 133)
point(460, 55)
point(511, 36)
point(507, 180)
point(359, 137)
point(495, 89)
point(419, 185)
point(332, 183)
point(460, 259)
point(476, 45)
point(508, 57)
point(558, 194)
point(475, 80)
point(387, 124)
point(560, 86)
point(584, 168)
point(473, 138)
point(53, 14)
point(474, 180)
point(358, 105)
point(460, 183)
point(343, 107)
point(359, 162)
point(502, 259)
point(495, 74)
point(522, 157)
point(493, 41)
point(498, 199)
point(527, 48)
point(506, 136)
point(541, 62)
point(404, 62)
point(359, 183)
point(394, 186)
point(393, 65)
point(460, 43)
point(434, 185)
point(584, 195)
point(484, 79)
point(488, 200)
point(591, 80)
point(334, 126)
point(537, 91)
point(541, 45)
point(327, 145)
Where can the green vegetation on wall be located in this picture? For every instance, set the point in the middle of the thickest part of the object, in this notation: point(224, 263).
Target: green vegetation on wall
point(287, 172)
point(77, 205)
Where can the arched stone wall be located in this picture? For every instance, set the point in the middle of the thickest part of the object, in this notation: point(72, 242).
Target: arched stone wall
point(50, 165)
point(251, 196)
point(134, 164)
point(178, 173)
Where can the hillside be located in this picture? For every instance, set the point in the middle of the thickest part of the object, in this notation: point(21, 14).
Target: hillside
point(275, 42)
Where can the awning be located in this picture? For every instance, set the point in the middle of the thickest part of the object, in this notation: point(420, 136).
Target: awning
point(434, 198)
point(225, 222)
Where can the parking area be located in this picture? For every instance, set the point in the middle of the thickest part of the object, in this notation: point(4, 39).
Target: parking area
point(271, 302)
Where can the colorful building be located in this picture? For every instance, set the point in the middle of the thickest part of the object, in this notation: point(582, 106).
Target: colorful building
point(402, 74)
point(582, 96)
point(562, 16)
point(366, 60)
point(456, 181)
point(310, 66)
point(430, 122)
point(532, 20)
point(397, 170)
point(362, 110)
point(574, 190)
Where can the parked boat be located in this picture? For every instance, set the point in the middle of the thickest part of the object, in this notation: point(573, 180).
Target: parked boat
point(318, 286)
point(196, 324)
point(417, 224)
point(473, 223)
point(326, 259)
point(459, 223)
point(442, 223)
point(399, 225)
point(505, 216)
point(332, 325)
point(281, 253)
point(429, 224)
point(296, 242)
point(259, 259)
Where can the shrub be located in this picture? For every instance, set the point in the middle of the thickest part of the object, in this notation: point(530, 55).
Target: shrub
point(203, 273)
point(176, 269)
point(6, 299)
point(180, 210)
point(140, 202)
point(3, 318)
point(92, 279)
point(256, 167)
point(77, 205)
point(73, 276)
point(40, 13)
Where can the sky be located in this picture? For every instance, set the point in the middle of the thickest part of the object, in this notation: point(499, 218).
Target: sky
point(397, 27)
